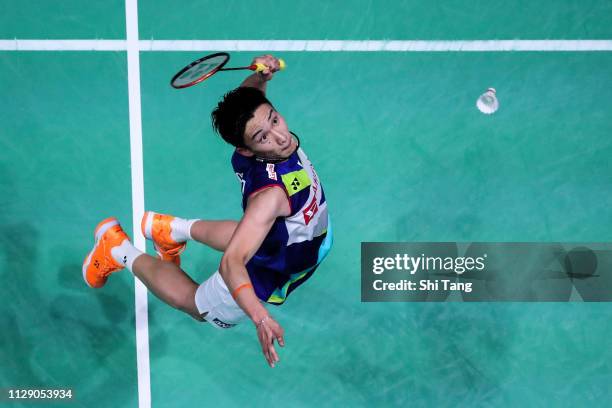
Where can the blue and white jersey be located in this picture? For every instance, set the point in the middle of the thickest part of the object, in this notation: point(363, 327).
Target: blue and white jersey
point(296, 244)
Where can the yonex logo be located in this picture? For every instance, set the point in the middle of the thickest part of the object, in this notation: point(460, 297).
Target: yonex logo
point(125, 259)
point(97, 264)
point(221, 324)
point(295, 183)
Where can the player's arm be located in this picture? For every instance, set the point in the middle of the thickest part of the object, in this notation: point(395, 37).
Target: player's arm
point(262, 210)
point(260, 79)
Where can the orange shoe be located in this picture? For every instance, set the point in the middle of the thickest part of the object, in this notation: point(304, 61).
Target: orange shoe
point(158, 228)
point(99, 263)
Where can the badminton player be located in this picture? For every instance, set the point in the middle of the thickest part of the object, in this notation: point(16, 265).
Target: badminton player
point(275, 247)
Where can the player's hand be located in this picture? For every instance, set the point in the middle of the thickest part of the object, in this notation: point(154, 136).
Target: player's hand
point(269, 330)
point(272, 65)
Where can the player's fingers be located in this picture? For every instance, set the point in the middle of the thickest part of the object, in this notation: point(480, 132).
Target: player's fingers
point(270, 346)
point(271, 63)
point(265, 339)
point(278, 335)
point(276, 332)
point(273, 353)
point(266, 352)
point(270, 358)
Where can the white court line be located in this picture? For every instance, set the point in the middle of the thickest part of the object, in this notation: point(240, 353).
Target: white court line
point(308, 45)
point(140, 291)
point(375, 46)
point(62, 45)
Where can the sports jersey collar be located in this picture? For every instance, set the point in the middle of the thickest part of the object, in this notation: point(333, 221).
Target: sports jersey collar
point(242, 163)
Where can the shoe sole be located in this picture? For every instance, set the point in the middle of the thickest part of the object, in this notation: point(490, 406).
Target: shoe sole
point(101, 228)
point(146, 225)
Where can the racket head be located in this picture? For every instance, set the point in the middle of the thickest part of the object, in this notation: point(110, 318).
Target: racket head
point(199, 70)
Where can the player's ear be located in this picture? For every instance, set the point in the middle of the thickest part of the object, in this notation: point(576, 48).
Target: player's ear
point(245, 152)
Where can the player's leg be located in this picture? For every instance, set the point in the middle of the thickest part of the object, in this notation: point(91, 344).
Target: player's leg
point(170, 234)
point(113, 251)
point(168, 282)
point(215, 234)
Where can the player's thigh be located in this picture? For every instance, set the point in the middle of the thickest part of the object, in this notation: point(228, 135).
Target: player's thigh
point(215, 234)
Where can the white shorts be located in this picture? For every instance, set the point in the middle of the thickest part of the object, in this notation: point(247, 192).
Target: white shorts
point(213, 298)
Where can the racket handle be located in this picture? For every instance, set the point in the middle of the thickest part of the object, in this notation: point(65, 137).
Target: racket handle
point(259, 67)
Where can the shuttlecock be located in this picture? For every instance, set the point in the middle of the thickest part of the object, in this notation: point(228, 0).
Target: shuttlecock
point(487, 102)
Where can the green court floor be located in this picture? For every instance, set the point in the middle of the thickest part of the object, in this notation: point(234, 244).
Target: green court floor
point(403, 155)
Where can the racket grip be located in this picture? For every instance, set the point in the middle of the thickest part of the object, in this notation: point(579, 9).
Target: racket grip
point(261, 67)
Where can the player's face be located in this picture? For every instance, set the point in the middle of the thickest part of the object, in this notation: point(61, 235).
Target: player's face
point(266, 134)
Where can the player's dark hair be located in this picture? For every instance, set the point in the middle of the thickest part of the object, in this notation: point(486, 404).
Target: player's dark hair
point(232, 113)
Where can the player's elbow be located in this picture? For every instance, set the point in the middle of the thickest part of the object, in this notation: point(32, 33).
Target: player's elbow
point(229, 263)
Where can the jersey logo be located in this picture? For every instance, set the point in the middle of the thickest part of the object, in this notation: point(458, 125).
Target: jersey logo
point(310, 211)
point(295, 181)
point(271, 172)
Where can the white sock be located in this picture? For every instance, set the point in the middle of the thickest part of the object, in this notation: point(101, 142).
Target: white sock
point(126, 254)
point(181, 229)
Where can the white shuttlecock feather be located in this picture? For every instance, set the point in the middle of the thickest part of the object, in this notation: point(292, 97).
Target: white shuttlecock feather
point(487, 103)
